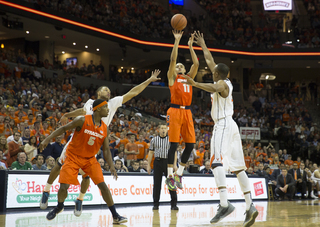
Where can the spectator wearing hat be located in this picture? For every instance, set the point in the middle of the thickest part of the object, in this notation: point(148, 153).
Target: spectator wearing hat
point(131, 149)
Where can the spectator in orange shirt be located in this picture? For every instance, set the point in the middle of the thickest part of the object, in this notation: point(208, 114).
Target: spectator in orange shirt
point(143, 148)
point(20, 109)
point(259, 147)
point(123, 140)
point(67, 87)
point(285, 116)
point(3, 111)
point(198, 159)
point(289, 161)
point(298, 161)
point(53, 124)
point(31, 119)
point(276, 160)
point(46, 131)
point(12, 113)
point(37, 131)
point(20, 118)
point(131, 150)
point(133, 128)
point(247, 158)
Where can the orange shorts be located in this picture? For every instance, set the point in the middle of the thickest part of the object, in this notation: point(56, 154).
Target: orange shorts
point(70, 169)
point(180, 122)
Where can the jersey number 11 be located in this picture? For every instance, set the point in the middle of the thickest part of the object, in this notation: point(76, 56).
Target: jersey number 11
point(186, 88)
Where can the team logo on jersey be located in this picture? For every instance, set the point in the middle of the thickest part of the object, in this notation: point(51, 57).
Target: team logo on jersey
point(93, 133)
point(181, 80)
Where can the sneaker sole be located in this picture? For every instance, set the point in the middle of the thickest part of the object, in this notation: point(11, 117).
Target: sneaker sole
point(222, 217)
point(55, 216)
point(119, 222)
point(252, 220)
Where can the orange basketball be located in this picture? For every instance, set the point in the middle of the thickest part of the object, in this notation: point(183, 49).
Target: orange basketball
point(178, 22)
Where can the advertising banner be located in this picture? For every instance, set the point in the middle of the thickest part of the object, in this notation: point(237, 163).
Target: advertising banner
point(250, 133)
point(274, 5)
point(25, 190)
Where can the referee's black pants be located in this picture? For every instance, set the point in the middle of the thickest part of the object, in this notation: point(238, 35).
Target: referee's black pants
point(160, 168)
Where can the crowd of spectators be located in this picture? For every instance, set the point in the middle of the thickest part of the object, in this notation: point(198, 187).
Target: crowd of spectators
point(229, 22)
point(144, 18)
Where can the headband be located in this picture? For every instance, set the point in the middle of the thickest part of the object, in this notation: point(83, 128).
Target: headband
point(101, 104)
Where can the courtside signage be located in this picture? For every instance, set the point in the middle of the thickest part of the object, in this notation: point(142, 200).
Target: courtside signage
point(274, 5)
point(250, 133)
point(25, 190)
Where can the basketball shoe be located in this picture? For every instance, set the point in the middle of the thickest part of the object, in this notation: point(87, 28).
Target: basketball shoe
point(170, 182)
point(222, 213)
point(251, 215)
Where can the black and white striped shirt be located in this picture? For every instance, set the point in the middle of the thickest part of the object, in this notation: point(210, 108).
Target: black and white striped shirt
point(160, 146)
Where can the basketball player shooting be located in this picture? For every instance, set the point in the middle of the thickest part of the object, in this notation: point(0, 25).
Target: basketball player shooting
point(179, 116)
point(90, 134)
point(226, 140)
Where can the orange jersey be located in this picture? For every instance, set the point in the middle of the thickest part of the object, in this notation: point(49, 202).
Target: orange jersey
point(87, 142)
point(181, 94)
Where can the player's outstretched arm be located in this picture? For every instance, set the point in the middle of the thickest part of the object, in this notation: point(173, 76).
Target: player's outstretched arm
point(139, 88)
point(108, 157)
point(220, 86)
point(76, 123)
point(194, 68)
point(173, 58)
point(75, 113)
point(199, 40)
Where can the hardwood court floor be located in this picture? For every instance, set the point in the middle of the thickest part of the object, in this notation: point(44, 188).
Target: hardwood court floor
point(285, 213)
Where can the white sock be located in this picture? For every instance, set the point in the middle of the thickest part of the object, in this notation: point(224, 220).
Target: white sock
point(248, 199)
point(47, 187)
point(81, 195)
point(312, 193)
point(245, 187)
point(170, 171)
point(223, 197)
point(180, 170)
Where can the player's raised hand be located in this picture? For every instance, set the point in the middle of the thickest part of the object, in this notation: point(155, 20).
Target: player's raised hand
point(199, 40)
point(114, 173)
point(154, 75)
point(63, 120)
point(43, 145)
point(177, 34)
point(189, 81)
point(191, 39)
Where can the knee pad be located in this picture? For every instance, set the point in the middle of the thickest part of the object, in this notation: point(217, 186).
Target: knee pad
point(220, 176)
point(244, 182)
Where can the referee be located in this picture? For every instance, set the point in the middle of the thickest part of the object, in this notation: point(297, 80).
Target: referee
point(159, 146)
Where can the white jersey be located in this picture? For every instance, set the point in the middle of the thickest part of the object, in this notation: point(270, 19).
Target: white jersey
point(113, 105)
point(222, 107)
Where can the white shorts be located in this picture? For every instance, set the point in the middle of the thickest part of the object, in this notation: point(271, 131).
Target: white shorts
point(226, 145)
